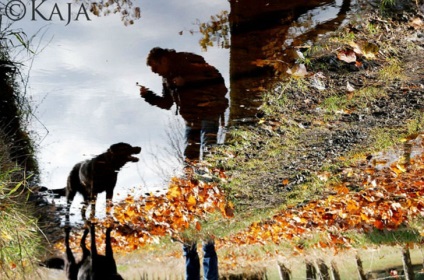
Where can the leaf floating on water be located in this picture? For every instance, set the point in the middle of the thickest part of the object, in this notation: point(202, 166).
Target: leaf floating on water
point(261, 62)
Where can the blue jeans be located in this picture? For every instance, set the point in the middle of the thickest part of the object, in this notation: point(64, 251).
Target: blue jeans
point(210, 262)
point(199, 134)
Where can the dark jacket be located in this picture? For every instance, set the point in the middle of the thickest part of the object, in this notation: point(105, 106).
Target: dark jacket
point(201, 92)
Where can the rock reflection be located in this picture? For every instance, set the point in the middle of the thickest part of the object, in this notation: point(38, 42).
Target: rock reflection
point(197, 90)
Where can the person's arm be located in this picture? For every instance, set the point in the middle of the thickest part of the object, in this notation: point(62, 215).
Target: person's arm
point(164, 102)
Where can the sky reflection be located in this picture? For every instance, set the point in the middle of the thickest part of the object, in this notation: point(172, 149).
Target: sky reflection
point(83, 88)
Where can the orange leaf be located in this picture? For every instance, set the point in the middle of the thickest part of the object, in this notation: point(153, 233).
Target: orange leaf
point(191, 201)
point(342, 189)
point(379, 224)
point(198, 226)
point(173, 192)
point(229, 210)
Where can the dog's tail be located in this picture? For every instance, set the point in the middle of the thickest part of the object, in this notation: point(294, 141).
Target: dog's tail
point(54, 192)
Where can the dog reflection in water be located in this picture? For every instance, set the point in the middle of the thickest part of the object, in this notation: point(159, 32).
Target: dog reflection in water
point(97, 175)
point(92, 265)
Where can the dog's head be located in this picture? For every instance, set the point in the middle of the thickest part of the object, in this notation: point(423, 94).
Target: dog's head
point(124, 152)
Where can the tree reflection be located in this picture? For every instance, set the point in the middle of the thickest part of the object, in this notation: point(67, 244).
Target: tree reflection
point(129, 13)
point(263, 37)
point(216, 31)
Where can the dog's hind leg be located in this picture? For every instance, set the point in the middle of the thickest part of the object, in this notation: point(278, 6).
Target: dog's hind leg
point(70, 194)
point(71, 266)
point(85, 203)
point(83, 210)
point(93, 205)
point(73, 185)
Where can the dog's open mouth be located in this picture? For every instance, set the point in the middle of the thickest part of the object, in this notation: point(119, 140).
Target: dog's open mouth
point(135, 150)
point(133, 159)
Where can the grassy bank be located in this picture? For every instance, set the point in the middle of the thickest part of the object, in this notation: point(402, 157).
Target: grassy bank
point(306, 131)
point(21, 240)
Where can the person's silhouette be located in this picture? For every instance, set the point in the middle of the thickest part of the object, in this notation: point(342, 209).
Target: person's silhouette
point(196, 88)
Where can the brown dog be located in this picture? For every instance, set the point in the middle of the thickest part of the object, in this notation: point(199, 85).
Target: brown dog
point(97, 175)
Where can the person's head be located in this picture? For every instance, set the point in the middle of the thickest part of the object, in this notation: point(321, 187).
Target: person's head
point(159, 59)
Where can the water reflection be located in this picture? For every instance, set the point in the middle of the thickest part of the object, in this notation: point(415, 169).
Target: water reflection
point(97, 175)
point(271, 31)
point(99, 107)
point(198, 91)
point(85, 94)
point(91, 265)
point(83, 90)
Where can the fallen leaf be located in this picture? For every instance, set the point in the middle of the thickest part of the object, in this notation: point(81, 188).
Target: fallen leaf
point(299, 70)
point(416, 23)
point(347, 56)
point(198, 226)
point(370, 50)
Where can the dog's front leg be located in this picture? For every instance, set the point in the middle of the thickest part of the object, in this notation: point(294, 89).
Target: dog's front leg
point(67, 213)
point(84, 209)
point(93, 206)
point(109, 203)
point(85, 251)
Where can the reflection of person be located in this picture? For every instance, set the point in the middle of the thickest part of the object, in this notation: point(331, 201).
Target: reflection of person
point(210, 261)
point(198, 91)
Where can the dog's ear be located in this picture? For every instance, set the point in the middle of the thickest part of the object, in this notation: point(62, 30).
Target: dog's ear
point(56, 263)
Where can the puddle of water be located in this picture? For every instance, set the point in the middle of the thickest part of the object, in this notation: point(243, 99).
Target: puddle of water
point(83, 87)
point(83, 83)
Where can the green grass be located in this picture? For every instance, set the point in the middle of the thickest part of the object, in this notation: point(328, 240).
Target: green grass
point(416, 124)
point(21, 241)
point(383, 138)
point(392, 71)
point(335, 103)
point(358, 99)
point(20, 237)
